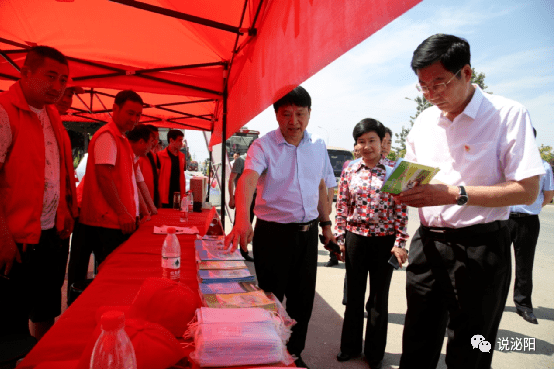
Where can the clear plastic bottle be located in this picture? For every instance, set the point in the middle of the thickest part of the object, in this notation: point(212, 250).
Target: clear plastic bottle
point(190, 201)
point(184, 212)
point(171, 256)
point(113, 349)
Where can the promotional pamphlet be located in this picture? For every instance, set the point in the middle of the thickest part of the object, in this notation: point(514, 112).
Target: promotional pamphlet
point(221, 276)
point(217, 264)
point(406, 175)
point(240, 300)
point(214, 250)
point(229, 287)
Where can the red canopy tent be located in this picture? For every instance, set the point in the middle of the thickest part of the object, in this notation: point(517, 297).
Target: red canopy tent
point(203, 64)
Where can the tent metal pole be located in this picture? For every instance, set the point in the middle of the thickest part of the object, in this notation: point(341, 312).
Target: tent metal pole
point(179, 15)
point(184, 102)
point(209, 162)
point(13, 43)
point(223, 156)
point(7, 76)
point(187, 66)
point(12, 63)
point(210, 158)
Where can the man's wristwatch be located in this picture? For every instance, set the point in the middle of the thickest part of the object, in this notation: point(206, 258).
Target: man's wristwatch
point(462, 199)
point(327, 223)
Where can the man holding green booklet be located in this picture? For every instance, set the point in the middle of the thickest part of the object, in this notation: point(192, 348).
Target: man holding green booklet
point(459, 264)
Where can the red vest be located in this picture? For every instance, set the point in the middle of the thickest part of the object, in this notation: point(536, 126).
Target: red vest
point(165, 174)
point(22, 175)
point(148, 174)
point(95, 210)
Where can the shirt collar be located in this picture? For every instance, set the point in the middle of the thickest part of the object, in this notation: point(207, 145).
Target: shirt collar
point(473, 107)
point(117, 129)
point(360, 164)
point(280, 140)
point(470, 110)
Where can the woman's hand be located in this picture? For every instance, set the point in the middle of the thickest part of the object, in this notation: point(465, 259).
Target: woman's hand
point(342, 253)
point(401, 255)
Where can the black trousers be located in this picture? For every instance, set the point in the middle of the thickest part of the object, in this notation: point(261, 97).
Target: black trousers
point(32, 289)
point(286, 265)
point(367, 256)
point(91, 239)
point(525, 233)
point(79, 256)
point(459, 283)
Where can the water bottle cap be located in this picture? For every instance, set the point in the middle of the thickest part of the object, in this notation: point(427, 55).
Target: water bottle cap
point(112, 320)
point(170, 230)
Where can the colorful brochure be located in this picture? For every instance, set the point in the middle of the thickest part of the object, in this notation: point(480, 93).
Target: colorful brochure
point(234, 273)
point(214, 250)
point(229, 287)
point(240, 300)
point(217, 264)
point(406, 175)
point(222, 276)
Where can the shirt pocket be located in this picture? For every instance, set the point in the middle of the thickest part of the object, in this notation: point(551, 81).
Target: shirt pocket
point(480, 163)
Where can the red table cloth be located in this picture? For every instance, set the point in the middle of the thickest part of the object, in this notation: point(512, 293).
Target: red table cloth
point(118, 281)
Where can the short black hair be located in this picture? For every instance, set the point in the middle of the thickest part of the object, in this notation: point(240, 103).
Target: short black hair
point(173, 134)
point(123, 96)
point(298, 96)
point(151, 127)
point(388, 130)
point(36, 55)
point(368, 125)
point(453, 53)
point(138, 133)
point(535, 132)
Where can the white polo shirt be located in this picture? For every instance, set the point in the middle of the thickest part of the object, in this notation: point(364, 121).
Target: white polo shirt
point(490, 142)
point(288, 187)
point(106, 153)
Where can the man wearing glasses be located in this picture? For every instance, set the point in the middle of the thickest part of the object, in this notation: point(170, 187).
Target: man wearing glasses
point(459, 265)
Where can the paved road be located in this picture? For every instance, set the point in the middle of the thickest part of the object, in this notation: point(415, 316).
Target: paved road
point(326, 323)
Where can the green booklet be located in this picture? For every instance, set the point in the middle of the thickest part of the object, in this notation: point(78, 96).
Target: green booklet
point(406, 175)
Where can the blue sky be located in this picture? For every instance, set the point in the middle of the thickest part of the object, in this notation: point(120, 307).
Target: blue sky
point(511, 41)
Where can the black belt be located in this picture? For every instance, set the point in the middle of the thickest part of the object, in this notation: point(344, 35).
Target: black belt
point(520, 215)
point(295, 227)
point(445, 232)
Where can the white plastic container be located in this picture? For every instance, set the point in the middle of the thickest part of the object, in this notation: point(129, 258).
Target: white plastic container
point(113, 349)
point(171, 256)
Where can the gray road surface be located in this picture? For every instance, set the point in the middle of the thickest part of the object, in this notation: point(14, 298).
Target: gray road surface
point(325, 327)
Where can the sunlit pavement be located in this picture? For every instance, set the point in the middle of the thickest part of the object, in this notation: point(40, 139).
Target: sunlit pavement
point(326, 324)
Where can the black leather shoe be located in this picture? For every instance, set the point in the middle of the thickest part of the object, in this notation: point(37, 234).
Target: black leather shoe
point(246, 256)
point(378, 365)
point(528, 316)
point(300, 363)
point(331, 263)
point(344, 357)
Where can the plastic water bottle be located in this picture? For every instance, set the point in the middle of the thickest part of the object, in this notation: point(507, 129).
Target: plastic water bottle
point(184, 212)
point(113, 349)
point(171, 256)
point(190, 201)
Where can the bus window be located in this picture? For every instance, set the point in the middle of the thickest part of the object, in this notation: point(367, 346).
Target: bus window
point(338, 157)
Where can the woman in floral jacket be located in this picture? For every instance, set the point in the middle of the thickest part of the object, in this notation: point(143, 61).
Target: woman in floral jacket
point(370, 226)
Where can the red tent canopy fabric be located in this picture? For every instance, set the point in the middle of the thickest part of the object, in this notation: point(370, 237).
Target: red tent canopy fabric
point(197, 64)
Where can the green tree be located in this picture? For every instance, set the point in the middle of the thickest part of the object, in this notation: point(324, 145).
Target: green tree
point(422, 104)
point(547, 154)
